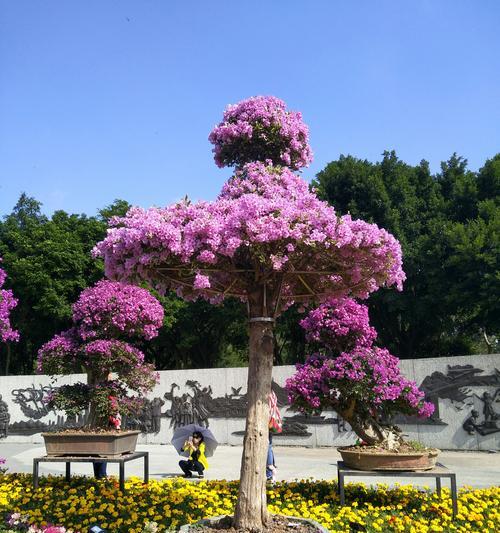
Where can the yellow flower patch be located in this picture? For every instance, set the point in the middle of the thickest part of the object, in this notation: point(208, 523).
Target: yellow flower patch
point(173, 502)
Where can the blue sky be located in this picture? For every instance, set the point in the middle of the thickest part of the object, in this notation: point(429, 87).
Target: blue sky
point(103, 99)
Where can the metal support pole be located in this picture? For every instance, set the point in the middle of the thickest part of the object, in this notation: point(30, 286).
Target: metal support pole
point(341, 488)
point(122, 476)
point(453, 482)
point(35, 473)
point(146, 467)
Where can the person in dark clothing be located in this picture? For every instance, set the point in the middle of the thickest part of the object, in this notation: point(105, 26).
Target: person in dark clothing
point(197, 460)
point(100, 470)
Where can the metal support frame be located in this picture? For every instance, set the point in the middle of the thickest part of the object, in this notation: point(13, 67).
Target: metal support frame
point(121, 460)
point(438, 472)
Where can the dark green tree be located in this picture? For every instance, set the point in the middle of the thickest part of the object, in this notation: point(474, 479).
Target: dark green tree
point(448, 228)
point(201, 335)
point(50, 264)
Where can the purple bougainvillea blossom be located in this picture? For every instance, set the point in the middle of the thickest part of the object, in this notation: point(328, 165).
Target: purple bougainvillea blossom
point(7, 303)
point(110, 309)
point(258, 129)
point(339, 324)
point(369, 376)
point(266, 218)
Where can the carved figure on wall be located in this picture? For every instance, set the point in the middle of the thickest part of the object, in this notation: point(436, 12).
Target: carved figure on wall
point(4, 419)
point(186, 410)
point(295, 429)
point(453, 385)
point(132, 422)
point(200, 406)
point(291, 428)
point(147, 416)
point(156, 406)
point(189, 408)
point(341, 424)
point(30, 400)
point(488, 409)
point(174, 411)
point(470, 425)
point(490, 423)
point(201, 402)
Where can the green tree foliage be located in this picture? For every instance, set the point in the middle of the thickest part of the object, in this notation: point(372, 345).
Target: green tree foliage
point(49, 263)
point(448, 225)
point(201, 335)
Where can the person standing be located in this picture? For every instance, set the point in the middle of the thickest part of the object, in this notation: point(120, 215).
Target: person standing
point(100, 470)
point(270, 464)
point(275, 426)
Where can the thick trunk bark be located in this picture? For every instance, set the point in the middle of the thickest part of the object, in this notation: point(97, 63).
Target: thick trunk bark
point(251, 508)
point(372, 432)
point(94, 420)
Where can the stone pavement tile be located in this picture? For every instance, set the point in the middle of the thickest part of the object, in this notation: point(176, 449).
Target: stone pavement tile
point(477, 469)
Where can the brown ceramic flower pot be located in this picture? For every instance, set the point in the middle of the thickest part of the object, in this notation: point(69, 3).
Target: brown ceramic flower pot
point(366, 459)
point(83, 443)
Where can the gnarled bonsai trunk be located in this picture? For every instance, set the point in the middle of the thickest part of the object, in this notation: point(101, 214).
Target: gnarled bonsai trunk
point(251, 508)
point(370, 430)
point(94, 420)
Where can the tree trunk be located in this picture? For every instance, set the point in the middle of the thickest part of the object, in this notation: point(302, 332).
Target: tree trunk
point(94, 420)
point(7, 360)
point(373, 432)
point(251, 508)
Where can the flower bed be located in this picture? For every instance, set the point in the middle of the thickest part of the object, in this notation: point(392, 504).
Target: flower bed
point(173, 502)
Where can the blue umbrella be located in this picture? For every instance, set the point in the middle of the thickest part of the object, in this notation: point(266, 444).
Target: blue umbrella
point(182, 434)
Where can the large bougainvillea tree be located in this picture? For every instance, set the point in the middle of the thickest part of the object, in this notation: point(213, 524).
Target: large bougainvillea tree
point(7, 303)
point(361, 382)
point(106, 318)
point(268, 240)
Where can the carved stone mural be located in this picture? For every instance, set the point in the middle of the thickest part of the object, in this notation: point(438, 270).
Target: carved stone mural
point(464, 390)
point(491, 418)
point(31, 400)
point(455, 385)
point(198, 406)
point(4, 419)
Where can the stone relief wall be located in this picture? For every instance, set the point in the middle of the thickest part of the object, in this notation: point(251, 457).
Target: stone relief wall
point(465, 391)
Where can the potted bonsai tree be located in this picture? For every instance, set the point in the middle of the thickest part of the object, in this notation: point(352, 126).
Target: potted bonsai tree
point(363, 384)
point(106, 318)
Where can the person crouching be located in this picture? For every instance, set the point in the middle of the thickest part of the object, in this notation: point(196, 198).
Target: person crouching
point(197, 460)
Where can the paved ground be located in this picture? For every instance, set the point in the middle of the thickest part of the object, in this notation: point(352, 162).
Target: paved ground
point(477, 469)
